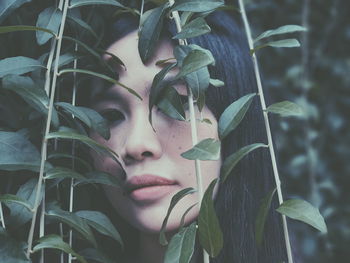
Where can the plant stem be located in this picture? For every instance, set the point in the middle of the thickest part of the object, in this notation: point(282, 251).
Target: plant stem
point(267, 126)
point(193, 127)
point(2, 216)
point(47, 130)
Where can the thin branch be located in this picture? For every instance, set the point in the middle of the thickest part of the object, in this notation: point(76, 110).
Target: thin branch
point(267, 127)
point(2, 216)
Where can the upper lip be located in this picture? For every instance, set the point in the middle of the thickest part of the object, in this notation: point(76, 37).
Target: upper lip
point(146, 180)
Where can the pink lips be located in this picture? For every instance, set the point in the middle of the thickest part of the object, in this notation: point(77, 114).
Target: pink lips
point(149, 187)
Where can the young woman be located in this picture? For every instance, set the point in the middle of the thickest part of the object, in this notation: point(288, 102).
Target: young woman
point(154, 169)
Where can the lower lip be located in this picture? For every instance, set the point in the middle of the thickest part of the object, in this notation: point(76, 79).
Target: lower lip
point(152, 193)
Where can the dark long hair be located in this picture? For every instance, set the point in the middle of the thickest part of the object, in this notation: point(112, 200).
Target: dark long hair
point(239, 197)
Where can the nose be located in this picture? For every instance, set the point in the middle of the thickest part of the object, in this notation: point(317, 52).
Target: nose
point(142, 142)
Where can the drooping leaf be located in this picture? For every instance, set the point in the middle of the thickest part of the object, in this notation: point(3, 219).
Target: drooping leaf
point(95, 255)
point(73, 221)
point(18, 65)
point(174, 200)
point(62, 173)
point(98, 177)
point(210, 234)
point(197, 5)
point(291, 42)
point(56, 242)
point(260, 220)
point(286, 109)
point(234, 114)
point(77, 3)
point(281, 30)
point(34, 96)
point(7, 29)
point(11, 250)
point(181, 246)
point(303, 211)
point(207, 149)
point(50, 18)
point(171, 105)
point(216, 83)
point(8, 6)
point(150, 32)
point(102, 76)
point(182, 222)
point(194, 28)
point(18, 153)
point(101, 223)
point(9, 198)
point(231, 161)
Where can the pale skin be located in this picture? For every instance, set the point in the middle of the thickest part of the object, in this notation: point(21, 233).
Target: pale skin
point(146, 151)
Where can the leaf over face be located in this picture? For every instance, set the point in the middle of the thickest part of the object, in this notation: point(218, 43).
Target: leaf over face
point(234, 114)
point(303, 211)
point(210, 234)
point(171, 104)
point(194, 28)
point(286, 109)
point(207, 149)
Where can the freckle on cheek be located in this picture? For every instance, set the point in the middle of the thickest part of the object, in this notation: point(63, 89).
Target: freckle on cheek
point(180, 148)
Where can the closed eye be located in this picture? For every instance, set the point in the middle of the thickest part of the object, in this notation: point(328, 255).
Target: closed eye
point(113, 116)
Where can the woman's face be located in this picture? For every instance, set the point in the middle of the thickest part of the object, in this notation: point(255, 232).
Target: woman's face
point(155, 171)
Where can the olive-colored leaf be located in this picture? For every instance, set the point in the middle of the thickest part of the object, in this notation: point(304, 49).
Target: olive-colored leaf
point(281, 30)
point(210, 234)
point(62, 173)
point(101, 223)
point(181, 246)
point(150, 32)
point(95, 255)
point(303, 211)
point(286, 109)
point(171, 104)
point(56, 242)
point(232, 160)
point(195, 28)
point(7, 29)
point(73, 221)
point(197, 5)
point(8, 6)
point(182, 222)
point(216, 83)
point(9, 198)
point(18, 153)
point(49, 18)
point(174, 200)
point(207, 149)
point(77, 3)
point(18, 65)
point(98, 177)
point(260, 220)
point(102, 76)
point(11, 250)
point(34, 96)
point(234, 114)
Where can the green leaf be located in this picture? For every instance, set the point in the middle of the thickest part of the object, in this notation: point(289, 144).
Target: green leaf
point(99, 148)
point(98, 123)
point(150, 32)
point(234, 114)
point(197, 5)
point(11, 250)
point(8, 6)
point(8, 198)
point(174, 200)
point(286, 109)
point(7, 29)
point(18, 153)
point(73, 221)
point(102, 76)
point(74, 158)
point(207, 149)
point(77, 3)
point(65, 59)
point(49, 18)
point(95, 255)
point(232, 160)
point(181, 246)
point(101, 223)
point(182, 222)
point(195, 28)
point(292, 42)
point(56, 242)
point(195, 60)
point(210, 234)
point(216, 83)
point(18, 65)
point(81, 24)
point(303, 211)
point(281, 30)
point(262, 215)
point(76, 111)
point(62, 173)
point(171, 105)
point(98, 177)
point(34, 96)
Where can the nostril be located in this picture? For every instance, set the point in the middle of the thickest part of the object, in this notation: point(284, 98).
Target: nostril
point(147, 154)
